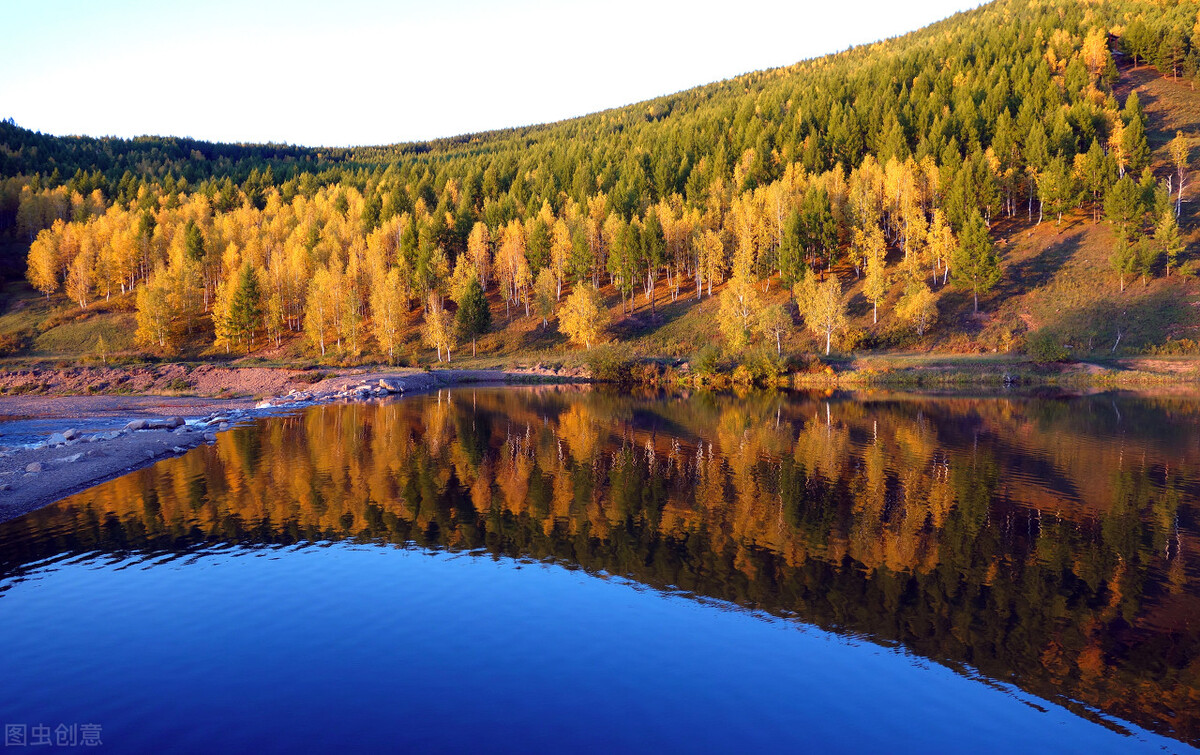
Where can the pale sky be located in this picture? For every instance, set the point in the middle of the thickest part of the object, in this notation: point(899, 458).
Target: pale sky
point(352, 72)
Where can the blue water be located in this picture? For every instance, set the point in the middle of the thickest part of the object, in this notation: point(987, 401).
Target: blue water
point(381, 648)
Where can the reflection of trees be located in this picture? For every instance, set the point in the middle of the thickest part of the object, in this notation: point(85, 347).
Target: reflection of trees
point(915, 521)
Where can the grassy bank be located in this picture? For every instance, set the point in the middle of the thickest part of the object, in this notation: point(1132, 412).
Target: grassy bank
point(260, 379)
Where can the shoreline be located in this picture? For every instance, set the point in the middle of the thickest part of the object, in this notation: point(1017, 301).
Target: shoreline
point(90, 439)
point(72, 459)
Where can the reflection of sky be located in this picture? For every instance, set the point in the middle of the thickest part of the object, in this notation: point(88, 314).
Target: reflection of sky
point(343, 646)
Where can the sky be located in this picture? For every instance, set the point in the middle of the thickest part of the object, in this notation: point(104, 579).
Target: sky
point(355, 72)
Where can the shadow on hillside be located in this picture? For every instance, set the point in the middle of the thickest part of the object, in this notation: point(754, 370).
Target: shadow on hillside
point(959, 303)
point(1026, 275)
point(1141, 322)
point(543, 338)
point(642, 321)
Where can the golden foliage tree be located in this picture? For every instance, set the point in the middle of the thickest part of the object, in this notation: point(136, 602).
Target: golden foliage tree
point(775, 321)
point(439, 328)
point(545, 294)
point(875, 286)
point(821, 306)
point(739, 303)
point(154, 314)
point(389, 302)
point(583, 316)
point(918, 307)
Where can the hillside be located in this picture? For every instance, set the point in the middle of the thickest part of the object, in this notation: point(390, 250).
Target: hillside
point(975, 158)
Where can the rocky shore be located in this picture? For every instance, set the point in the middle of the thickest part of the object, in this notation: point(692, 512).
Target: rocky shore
point(35, 474)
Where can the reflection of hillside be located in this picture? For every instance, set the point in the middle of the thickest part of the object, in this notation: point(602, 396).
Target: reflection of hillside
point(1046, 543)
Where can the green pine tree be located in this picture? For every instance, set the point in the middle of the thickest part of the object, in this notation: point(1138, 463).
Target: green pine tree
point(975, 262)
point(474, 316)
point(245, 308)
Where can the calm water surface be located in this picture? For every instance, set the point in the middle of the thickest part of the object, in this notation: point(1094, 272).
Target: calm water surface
point(559, 569)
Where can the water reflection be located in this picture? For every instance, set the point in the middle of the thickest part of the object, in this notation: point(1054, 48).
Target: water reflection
point(1041, 542)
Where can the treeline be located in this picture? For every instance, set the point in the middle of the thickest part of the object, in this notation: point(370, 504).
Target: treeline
point(915, 145)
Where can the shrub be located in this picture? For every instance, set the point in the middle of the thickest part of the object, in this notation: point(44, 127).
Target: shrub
point(853, 339)
point(1045, 346)
point(647, 373)
point(13, 343)
point(1174, 347)
point(610, 364)
point(707, 361)
point(763, 366)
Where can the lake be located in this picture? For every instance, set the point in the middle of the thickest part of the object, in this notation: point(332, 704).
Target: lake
point(572, 569)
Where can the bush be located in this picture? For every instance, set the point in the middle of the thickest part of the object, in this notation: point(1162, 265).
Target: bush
point(13, 343)
point(1174, 347)
point(853, 339)
point(610, 364)
point(707, 361)
point(763, 366)
point(647, 373)
point(1044, 346)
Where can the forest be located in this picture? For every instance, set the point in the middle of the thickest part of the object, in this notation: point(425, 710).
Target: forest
point(854, 196)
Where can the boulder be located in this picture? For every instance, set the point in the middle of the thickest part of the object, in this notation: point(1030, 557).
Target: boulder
point(33, 467)
point(57, 439)
point(70, 459)
point(137, 424)
point(71, 434)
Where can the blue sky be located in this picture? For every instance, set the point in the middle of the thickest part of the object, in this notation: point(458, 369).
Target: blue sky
point(372, 72)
